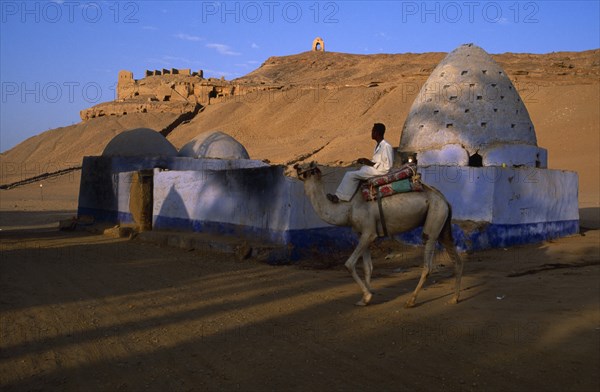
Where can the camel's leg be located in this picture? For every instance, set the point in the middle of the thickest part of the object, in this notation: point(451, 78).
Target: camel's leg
point(368, 268)
point(427, 265)
point(448, 244)
point(363, 244)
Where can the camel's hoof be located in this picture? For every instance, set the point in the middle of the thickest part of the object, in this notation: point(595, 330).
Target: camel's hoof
point(409, 304)
point(365, 300)
point(453, 301)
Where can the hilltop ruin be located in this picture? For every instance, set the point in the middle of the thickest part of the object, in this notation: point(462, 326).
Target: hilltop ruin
point(179, 91)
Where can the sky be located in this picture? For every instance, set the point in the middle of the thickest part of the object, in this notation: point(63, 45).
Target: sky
point(59, 57)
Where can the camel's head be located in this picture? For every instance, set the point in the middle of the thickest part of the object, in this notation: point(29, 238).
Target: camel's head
point(307, 170)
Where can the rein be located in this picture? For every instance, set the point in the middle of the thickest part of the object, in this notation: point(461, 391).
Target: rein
point(312, 171)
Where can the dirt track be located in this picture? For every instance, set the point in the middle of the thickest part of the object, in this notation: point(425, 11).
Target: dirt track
point(86, 312)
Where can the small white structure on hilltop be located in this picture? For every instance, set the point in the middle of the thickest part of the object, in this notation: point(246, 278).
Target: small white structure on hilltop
point(473, 139)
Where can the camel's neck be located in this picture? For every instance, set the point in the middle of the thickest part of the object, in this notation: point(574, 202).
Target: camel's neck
point(337, 214)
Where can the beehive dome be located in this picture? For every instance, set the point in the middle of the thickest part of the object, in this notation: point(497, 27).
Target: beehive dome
point(214, 144)
point(139, 142)
point(469, 108)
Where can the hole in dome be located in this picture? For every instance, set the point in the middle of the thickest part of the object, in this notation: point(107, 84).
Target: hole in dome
point(475, 160)
point(517, 111)
point(479, 97)
point(436, 111)
point(494, 84)
point(512, 125)
point(502, 97)
point(467, 110)
point(483, 125)
point(464, 72)
point(421, 126)
point(484, 71)
point(499, 72)
point(495, 110)
point(449, 125)
point(453, 97)
point(443, 73)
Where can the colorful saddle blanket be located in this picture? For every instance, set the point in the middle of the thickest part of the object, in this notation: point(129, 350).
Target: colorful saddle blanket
point(401, 180)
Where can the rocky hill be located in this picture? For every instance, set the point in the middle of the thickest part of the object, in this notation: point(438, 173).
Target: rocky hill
point(321, 105)
point(345, 69)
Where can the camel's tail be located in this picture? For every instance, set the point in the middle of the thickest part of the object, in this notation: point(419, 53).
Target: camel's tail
point(446, 236)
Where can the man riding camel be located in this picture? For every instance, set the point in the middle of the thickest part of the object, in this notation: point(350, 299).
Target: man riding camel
point(383, 159)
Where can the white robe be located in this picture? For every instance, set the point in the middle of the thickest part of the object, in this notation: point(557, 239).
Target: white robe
point(383, 157)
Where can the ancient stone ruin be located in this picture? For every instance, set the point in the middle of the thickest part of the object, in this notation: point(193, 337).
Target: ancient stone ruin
point(172, 90)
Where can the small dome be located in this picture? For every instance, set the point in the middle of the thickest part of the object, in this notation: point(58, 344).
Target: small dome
point(139, 142)
point(214, 144)
point(468, 101)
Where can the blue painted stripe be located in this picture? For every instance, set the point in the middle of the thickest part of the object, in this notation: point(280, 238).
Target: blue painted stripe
point(306, 243)
point(501, 235)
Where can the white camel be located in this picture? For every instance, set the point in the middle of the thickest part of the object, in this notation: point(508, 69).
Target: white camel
point(402, 212)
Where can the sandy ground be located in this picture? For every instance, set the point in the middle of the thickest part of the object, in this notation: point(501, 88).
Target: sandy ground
point(81, 311)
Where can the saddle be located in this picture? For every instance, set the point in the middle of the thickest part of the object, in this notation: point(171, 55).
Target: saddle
point(399, 180)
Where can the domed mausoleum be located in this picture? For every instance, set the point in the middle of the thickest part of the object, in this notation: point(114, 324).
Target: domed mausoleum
point(214, 144)
point(472, 138)
point(211, 186)
point(139, 142)
point(469, 113)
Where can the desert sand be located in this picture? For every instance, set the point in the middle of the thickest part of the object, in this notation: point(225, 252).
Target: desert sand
point(83, 311)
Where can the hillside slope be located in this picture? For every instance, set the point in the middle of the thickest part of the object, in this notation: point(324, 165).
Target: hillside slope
point(321, 105)
point(65, 147)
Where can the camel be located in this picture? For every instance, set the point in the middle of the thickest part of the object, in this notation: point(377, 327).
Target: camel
point(402, 212)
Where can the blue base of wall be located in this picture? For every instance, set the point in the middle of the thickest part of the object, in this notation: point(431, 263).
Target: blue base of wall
point(303, 244)
point(499, 235)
